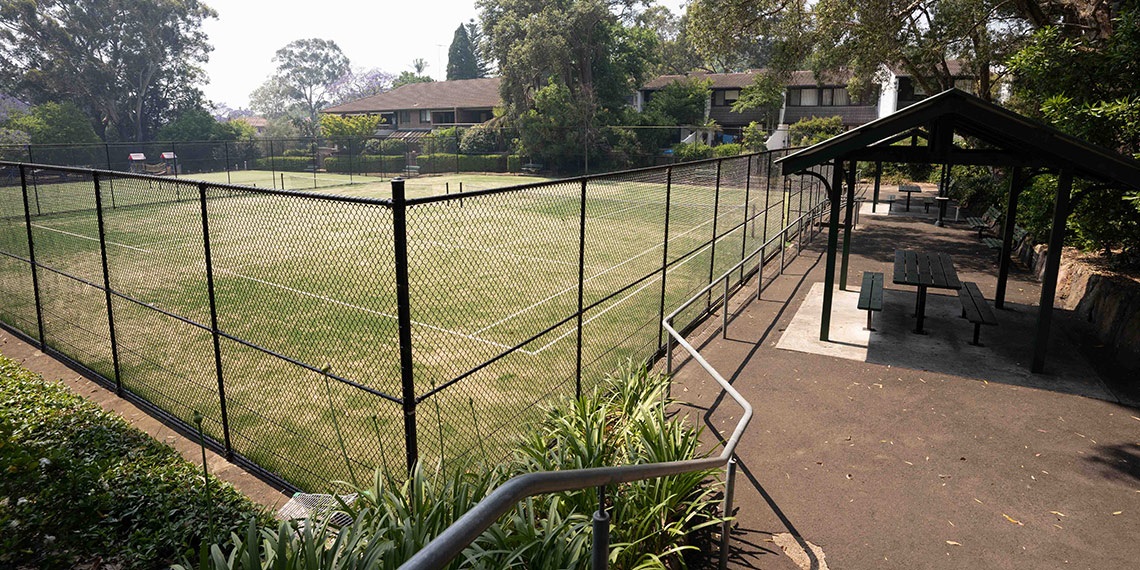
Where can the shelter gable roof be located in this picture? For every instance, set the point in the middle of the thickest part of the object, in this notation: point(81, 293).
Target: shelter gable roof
point(957, 111)
point(459, 93)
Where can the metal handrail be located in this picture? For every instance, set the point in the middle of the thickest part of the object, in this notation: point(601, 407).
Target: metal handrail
point(451, 542)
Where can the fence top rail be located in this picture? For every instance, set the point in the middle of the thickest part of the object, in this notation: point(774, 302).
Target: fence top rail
point(196, 183)
point(587, 178)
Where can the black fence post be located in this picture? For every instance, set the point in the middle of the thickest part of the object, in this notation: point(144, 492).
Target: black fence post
point(767, 201)
point(404, 319)
point(456, 150)
point(316, 159)
point(32, 259)
point(272, 165)
point(107, 283)
point(581, 289)
point(665, 254)
point(712, 245)
point(214, 320)
point(226, 149)
point(744, 223)
point(174, 153)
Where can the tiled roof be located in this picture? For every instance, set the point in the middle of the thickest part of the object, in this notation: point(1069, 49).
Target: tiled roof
point(957, 68)
point(746, 78)
point(720, 80)
point(462, 93)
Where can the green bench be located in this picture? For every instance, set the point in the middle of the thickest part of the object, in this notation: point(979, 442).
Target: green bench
point(531, 168)
point(1019, 235)
point(988, 219)
point(975, 308)
point(411, 170)
point(871, 295)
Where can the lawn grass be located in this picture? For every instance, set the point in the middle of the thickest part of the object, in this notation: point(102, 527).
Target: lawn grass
point(310, 279)
point(81, 485)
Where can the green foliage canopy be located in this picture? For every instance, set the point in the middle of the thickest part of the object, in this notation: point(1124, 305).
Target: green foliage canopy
point(681, 102)
point(462, 63)
point(53, 123)
point(127, 64)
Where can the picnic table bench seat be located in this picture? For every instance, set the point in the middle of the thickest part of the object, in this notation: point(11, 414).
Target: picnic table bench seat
point(927, 202)
point(987, 220)
point(871, 295)
point(975, 308)
point(1019, 234)
point(532, 167)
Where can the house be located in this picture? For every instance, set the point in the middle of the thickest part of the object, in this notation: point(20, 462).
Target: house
point(424, 106)
point(259, 124)
point(805, 96)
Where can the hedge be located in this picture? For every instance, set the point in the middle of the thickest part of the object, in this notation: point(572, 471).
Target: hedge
point(365, 163)
point(284, 163)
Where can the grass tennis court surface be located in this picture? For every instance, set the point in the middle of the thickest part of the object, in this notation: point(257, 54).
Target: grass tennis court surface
point(365, 186)
point(302, 282)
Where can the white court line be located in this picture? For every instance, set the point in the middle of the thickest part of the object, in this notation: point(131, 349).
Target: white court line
point(469, 248)
point(596, 275)
point(615, 304)
point(367, 310)
point(90, 238)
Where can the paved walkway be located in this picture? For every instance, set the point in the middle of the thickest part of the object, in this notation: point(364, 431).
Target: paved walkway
point(882, 465)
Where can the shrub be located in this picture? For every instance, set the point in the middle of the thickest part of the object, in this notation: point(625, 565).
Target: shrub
point(365, 163)
point(443, 163)
point(81, 484)
point(685, 152)
point(730, 149)
point(655, 523)
point(807, 132)
point(284, 163)
point(755, 139)
point(480, 140)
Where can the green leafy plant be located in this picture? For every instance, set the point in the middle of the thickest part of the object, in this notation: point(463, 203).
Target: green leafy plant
point(80, 484)
point(656, 522)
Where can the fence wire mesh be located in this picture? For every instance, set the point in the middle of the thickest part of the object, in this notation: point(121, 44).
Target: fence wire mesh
point(275, 315)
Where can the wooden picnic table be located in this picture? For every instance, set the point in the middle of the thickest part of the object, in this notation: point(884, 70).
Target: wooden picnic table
point(924, 270)
point(909, 189)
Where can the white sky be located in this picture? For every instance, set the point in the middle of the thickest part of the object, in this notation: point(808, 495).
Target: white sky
point(385, 34)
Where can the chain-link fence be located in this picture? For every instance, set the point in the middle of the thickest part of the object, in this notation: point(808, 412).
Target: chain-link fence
point(323, 336)
point(307, 163)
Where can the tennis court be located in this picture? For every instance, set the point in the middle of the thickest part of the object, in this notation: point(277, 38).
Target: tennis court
point(305, 281)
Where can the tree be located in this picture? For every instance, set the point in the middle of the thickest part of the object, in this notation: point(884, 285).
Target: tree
point(680, 103)
point(200, 125)
point(125, 64)
point(475, 35)
point(586, 54)
point(461, 60)
point(307, 69)
point(350, 131)
point(675, 52)
point(814, 130)
point(53, 123)
point(360, 83)
point(419, 65)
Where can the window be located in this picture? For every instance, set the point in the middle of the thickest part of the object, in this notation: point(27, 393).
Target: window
point(827, 97)
point(795, 97)
point(731, 95)
point(841, 97)
point(425, 116)
point(810, 97)
point(405, 117)
point(718, 99)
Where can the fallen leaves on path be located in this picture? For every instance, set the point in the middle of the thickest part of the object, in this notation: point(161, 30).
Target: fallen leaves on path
point(1012, 520)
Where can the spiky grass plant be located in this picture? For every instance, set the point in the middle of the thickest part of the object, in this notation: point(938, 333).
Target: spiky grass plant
point(627, 421)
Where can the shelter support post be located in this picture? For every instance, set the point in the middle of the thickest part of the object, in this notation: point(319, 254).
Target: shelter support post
point(833, 194)
point(1052, 267)
point(850, 222)
point(878, 180)
point(1016, 184)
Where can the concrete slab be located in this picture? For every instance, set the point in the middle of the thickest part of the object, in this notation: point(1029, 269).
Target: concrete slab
point(945, 348)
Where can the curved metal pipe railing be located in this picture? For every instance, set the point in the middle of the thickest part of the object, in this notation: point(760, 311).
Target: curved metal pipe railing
point(464, 531)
